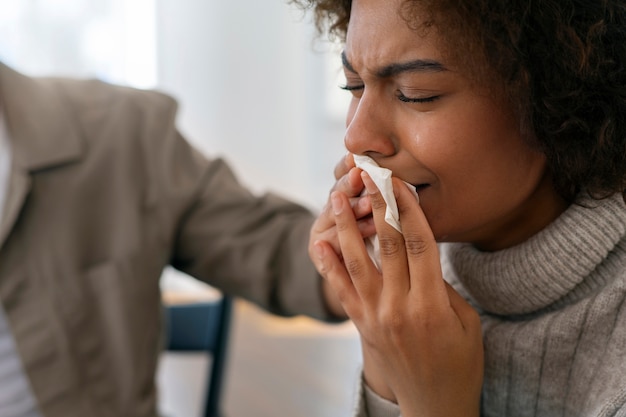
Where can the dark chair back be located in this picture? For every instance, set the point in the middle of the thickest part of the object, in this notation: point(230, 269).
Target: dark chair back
point(203, 327)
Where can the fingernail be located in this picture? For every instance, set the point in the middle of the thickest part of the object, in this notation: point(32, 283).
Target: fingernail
point(319, 252)
point(336, 203)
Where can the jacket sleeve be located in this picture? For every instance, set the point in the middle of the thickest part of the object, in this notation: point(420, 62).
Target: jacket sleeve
point(252, 246)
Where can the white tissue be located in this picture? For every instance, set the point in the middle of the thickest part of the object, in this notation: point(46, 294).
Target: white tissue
point(382, 178)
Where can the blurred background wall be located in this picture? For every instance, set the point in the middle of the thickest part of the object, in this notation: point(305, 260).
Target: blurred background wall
point(255, 87)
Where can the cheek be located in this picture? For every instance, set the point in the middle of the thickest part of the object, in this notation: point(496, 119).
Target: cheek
point(477, 156)
point(476, 138)
point(441, 146)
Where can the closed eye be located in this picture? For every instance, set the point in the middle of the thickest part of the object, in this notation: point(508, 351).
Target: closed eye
point(352, 87)
point(406, 99)
point(356, 89)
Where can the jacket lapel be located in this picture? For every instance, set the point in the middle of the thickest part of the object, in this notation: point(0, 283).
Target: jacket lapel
point(41, 132)
point(19, 186)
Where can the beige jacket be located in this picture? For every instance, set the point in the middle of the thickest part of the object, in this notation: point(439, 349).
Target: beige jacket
point(103, 194)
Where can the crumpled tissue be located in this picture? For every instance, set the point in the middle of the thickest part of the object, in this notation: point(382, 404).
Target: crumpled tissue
point(382, 178)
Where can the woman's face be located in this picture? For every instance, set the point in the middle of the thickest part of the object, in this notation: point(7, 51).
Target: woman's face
point(419, 115)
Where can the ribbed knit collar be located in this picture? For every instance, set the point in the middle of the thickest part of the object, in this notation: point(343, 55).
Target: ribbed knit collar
point(572, 257)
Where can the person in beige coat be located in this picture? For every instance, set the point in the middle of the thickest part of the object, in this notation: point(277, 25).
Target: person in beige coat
point(98, 193)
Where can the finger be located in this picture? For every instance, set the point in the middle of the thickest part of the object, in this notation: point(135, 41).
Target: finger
point(348, 185)
point(426, 281)
point(366, 228)
point(351, 184)
point(364, 274)
point(392, 252)
point(330, 267)
point(344, 165)
point(324, 222)
point(360, 205)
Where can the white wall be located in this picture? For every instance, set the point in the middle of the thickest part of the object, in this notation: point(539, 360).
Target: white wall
point(253, 89)
point(114, 40)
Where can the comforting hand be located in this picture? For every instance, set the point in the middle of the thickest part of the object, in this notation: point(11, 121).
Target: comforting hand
point(422, 342)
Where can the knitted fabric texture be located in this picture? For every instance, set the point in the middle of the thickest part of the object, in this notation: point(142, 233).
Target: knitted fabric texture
point(554, 315)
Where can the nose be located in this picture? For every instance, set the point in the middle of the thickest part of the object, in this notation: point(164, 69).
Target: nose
point(369, 128)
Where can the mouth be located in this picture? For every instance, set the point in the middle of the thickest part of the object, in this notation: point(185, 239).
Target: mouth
point(421, 187)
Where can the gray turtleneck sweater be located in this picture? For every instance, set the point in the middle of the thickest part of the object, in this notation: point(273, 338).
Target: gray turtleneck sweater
point(554, 317)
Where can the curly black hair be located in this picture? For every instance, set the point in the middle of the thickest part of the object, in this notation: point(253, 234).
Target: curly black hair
point(560, 63)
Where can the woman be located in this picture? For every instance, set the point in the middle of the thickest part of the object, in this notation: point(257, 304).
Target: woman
point(505, 293)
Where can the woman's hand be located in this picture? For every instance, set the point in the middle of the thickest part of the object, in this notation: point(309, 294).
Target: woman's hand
point(348, 183)
point(422, 342)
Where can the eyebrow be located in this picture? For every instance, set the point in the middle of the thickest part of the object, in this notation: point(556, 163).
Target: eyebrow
point(418, 65)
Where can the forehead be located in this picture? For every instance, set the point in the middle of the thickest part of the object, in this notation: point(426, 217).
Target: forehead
point(378, 35)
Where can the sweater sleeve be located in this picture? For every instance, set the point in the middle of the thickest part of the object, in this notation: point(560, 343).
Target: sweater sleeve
point(371, 404)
